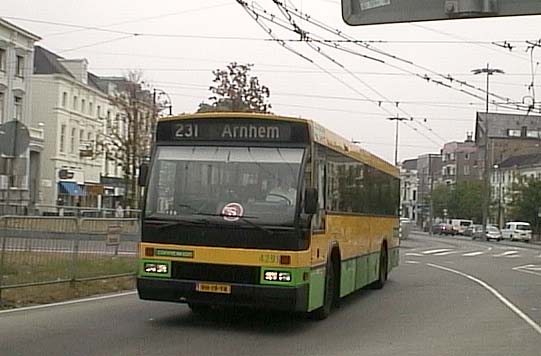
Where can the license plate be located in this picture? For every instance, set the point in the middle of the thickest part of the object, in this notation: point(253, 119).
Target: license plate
point(213, 288)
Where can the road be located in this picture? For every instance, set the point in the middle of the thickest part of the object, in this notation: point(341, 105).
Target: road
point(450, 296)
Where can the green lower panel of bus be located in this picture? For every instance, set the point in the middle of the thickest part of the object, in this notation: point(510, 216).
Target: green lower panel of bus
point(301, 288)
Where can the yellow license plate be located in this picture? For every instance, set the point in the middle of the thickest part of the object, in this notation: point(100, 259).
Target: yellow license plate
point(213, 288)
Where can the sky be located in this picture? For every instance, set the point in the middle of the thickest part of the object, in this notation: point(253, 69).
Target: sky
point(352, 90)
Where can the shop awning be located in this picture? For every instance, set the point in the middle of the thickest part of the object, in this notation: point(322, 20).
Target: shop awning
point(71, 188)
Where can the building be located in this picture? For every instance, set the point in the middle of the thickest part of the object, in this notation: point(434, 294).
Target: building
point(507, 173)
point(429, 167)
point(19, 173)
point(409, 185)
point(460, 161)
point(508, 135)
point(74, 110)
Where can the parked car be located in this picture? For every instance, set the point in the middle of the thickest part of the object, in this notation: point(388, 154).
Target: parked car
point(517, 230)
point(447, 229)
point(470, 230)
point(460, 225)
point(493, 233)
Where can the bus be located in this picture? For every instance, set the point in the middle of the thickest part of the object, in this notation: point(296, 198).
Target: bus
point(263, 211)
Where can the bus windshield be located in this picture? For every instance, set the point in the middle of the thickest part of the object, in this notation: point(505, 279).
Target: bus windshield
point(229, 185)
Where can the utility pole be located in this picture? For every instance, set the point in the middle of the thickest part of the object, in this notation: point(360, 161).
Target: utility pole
point(431, 208)
point(397, 119)
point(486, 173)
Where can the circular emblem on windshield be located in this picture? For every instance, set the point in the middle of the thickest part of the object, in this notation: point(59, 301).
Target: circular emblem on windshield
point(232, 211)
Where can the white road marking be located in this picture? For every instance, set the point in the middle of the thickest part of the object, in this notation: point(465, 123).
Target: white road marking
point(507, 254)
point(531, 269)
point(84, 300)
point(414, 254)
point(471, 254)
point(428, 252)
point(494, 292)
point(445, 253)
point(413, 262)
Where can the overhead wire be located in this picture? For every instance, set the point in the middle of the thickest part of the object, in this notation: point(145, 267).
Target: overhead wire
point(299, 14)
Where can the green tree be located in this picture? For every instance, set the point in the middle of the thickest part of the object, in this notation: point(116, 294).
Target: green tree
point(235, 89)
point(461, 200)
point(526, 201)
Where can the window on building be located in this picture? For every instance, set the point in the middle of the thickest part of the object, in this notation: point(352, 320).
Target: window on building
point(466, 156)
point(98, 111)
point(83, 106)
point(452, 156)
point(63, 138)
point(90, 108)
point(72, 141)
point(64, 99)
point(89, 137)
point(414, 195)
point(2, 107)
point(533, 134)
point(19, 67)
point(74, 105)
point(513, 133)
point(81, 136)
point(18, 108)
point(466, 170)
point(2, 59)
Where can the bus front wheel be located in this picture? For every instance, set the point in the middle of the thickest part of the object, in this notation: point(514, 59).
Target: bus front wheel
point(329, 294)
point(383, 268)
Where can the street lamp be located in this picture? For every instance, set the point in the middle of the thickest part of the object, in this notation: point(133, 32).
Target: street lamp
point(486, 176)
point(499, 175)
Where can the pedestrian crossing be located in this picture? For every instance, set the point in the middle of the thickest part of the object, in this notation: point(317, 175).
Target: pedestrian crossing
point(502, 253)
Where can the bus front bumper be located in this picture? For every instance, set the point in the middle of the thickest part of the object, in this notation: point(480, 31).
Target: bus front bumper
point(258, 296)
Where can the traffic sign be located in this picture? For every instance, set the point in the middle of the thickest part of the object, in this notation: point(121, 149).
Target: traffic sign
point(370, 12)
point(14, 138)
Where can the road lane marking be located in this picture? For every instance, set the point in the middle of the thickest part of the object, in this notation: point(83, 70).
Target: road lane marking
point(494, 292)
point(471, 254)
point(507, 254)
point(413, 262)
point(531, 269)
point(445, 253)
point(414, 254)
point(428, 252)
point(84, 300)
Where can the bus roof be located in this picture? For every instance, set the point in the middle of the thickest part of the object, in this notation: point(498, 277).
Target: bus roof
point(319, 134)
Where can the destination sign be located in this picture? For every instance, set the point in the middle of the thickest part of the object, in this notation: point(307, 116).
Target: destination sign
point(233, 130)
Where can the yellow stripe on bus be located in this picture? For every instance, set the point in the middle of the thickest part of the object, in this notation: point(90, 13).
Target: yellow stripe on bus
point(225, 255)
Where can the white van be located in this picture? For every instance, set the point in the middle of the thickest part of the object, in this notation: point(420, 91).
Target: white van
point(517, 230)
point(460, 225)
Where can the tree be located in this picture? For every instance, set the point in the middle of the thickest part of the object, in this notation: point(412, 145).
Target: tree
point(461, 200)
point(526, 201)
point(235, 90)
point(128, 136)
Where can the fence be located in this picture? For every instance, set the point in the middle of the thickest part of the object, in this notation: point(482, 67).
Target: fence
point(61, 253)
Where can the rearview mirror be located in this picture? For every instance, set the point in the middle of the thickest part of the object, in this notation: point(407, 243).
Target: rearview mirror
point(143, 173)
point(310, 200)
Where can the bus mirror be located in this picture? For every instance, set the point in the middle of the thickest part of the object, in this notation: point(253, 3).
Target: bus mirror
point(143, 172)
point(310, 201)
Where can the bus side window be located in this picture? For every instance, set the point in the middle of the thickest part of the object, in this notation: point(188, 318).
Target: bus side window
point(319, 218)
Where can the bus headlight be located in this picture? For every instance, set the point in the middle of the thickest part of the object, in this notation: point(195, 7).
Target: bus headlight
point(160, 268)
point(277, 276)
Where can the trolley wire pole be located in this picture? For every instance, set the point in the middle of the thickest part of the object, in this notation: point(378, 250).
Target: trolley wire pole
point(486, 172)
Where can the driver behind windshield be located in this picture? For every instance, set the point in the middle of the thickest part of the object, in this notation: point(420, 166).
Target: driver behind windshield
point(283, 192)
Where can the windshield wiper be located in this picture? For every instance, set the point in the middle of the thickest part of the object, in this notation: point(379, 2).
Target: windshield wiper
point(243, 218)
point(163, 224)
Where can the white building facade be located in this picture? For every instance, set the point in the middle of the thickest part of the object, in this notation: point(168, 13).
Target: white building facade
point(19, 173)
point(505, 175)
point(75, 112)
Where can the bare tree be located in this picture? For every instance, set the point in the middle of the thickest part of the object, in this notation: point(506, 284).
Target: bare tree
point(128, 136)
